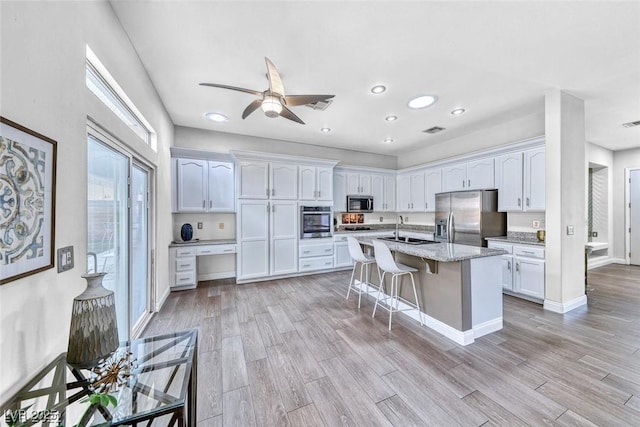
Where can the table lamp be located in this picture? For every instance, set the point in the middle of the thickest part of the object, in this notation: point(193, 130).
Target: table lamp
point(94, 330)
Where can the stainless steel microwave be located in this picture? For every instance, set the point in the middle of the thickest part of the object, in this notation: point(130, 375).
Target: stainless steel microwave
point(360, 204)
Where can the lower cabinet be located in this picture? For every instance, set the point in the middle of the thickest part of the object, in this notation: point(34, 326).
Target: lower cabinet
point(316, 254)
point(522, 269)
point(182, 274)
point(341, 256)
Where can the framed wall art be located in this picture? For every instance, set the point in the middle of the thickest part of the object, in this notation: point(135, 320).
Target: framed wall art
point(27, 201)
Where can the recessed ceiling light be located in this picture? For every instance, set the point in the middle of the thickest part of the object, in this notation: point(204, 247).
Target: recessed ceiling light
point(422, 101)
point(388, 140)
point(325, 130)
point(458, 111)
point(391, 118)
point(378, 89)
point(217, 117)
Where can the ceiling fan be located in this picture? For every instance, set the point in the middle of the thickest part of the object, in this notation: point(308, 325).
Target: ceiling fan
point(273, 101)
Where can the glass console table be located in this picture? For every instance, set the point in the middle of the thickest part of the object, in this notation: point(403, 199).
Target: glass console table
point(161, 389)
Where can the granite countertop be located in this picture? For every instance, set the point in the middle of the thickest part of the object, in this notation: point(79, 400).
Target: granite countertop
point(443, 252)
point(516, 237)
point(197, 242)
point(388, 228)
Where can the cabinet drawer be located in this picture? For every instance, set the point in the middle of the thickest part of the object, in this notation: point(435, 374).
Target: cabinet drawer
point(185, 264)
point(185, 278)
point(316, 250)
point(504, 246)
point(319, 263)
point(191, 251)
point(215, 249)
point(529, 251)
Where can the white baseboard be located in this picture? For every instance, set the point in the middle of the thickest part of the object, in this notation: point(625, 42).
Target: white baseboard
point(286, 276)
point(487, 327)
point(558, 307)
point(599, 262)
point(163, 299)
point(618, 261)
point(216, 276)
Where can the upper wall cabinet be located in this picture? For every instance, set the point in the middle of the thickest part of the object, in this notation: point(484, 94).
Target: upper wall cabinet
point(359, 183)
point(520, 179)
point(340, 191)
point(315, 183)
point(432, 186)
point(284, 181)
point(378, 183)
point(472, 175)
point(411, 192)
point(264, 180)
point(204, 185)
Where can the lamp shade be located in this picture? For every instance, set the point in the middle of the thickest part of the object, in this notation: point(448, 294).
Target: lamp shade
point(94, 330)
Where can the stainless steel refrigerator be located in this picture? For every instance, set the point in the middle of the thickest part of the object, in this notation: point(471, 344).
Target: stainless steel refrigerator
point(467, 217)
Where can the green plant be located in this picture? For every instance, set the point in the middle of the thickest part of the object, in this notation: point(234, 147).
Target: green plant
point(95, 400)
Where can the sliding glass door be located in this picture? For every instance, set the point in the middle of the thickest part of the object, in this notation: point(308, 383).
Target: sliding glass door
point(118, 230)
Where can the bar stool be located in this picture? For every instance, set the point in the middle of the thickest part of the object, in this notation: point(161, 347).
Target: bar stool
point(387, 264)
point(365, 262)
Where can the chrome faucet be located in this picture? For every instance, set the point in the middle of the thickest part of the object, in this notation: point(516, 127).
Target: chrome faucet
point(399, 220)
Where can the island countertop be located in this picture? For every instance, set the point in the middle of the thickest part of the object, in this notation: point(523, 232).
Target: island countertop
point(443, 252)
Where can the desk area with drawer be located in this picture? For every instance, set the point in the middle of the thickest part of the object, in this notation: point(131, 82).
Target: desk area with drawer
point(183, 260)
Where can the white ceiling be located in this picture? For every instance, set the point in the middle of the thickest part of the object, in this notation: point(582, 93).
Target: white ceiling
point(495, 59)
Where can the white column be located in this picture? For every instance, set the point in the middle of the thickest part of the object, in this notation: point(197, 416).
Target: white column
point(565, 202)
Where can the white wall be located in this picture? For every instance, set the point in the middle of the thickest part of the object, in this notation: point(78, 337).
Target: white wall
point(200, 139)
point(621, 160)
point(42, 82)
point(604, 157)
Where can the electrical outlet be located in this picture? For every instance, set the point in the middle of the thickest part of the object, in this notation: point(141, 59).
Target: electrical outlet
point(381, 219)
point(199, 226)
point(570, 230)
point(594, 234)
point(65, 259)
point(536, 223)
point(221, 225)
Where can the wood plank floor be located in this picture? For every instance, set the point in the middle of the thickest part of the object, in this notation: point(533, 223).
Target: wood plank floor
point(296, 352)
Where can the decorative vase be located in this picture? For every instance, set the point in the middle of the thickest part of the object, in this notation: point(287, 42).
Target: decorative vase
point(186, 232)
point(94, 330)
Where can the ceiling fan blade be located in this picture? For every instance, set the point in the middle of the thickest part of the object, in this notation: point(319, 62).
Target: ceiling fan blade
point(293, 100)
point(288, 114)
point(251, 108)
point(275, 82)
point(239, 89)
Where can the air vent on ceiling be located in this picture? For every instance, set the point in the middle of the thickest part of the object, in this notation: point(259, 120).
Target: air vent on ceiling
point(434, 129)
point(320, 105)
point(631, 124)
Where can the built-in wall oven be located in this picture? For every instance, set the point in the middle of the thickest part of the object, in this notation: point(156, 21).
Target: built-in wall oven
point(315, 221)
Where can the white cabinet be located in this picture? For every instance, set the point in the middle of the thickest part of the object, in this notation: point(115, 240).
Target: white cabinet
point(341, 256)
point(316, 254)
point(253, 239)
point(472, 175)
point(204, 186)
point(432, 185)
point(264, 180)
point(358, 183)
point(340, 192)
point(520, 179)
point(182, 268)
point(383, 190)
point(284, 237)
point(411, 192)
point(522, 269)
point(315, 183)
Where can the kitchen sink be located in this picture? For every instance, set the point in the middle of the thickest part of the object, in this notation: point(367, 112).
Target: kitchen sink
point(408, 240)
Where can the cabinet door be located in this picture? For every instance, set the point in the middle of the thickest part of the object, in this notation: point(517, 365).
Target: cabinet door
point(417, 192)
point(403, 191)
point(222, 195)
point(307, 183)
point(534, 180)
point(529, 277)
point(339, 192)
point(509, 182)
point(365, 185)
point(432, 185)
point(454, 177)
point(389, 193)
point(507, 272)
point(254, 180)
point(353, 183)
point(284, 237)
point(192, 185)
point(480, 174)
point(325, 184)
point(284, 181)
point(377, 191)
point(341, 255)
point(253, 239)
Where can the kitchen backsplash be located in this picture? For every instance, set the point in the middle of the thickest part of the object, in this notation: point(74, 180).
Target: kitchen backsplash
point(214, 225)
point(523, 221)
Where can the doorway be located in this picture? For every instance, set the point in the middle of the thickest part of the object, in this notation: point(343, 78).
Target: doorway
point(118, 211)
point(634, 216)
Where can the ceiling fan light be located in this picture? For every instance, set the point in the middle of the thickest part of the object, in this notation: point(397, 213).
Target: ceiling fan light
point(271, 106)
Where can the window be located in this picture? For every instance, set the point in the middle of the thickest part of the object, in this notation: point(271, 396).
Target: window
point(102, 84)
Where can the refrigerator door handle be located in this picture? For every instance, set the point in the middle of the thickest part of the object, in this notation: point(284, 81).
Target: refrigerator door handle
point(450, 228)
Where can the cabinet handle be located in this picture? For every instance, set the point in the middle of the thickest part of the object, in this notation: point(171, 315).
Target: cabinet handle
point(273, 208)
point(425, 205)
point(518, 267)
point(204, 204)
point(509, 265)
point(469, 183)
point(185, 265)
point(528, 252)
point(528, 204)
point(408, 205)
point(306, 265)
point(305, 252)
point(183, 279)
point(327, 263)
point(463, 183)
point(273, 191)
point(519, 202)
point(228, 250)
point(210, 204)
point(328, 250)
point(319, 192)
point(267, 192)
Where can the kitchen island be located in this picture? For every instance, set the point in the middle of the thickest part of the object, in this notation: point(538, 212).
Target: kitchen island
point(459, 287)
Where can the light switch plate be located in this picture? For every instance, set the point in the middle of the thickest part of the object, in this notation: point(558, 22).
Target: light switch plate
point(569, 230)
point(65, 259)
point(199, 226)
point(536, 223)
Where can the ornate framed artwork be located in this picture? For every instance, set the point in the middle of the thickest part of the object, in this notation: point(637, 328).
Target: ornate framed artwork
point(27, 201)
